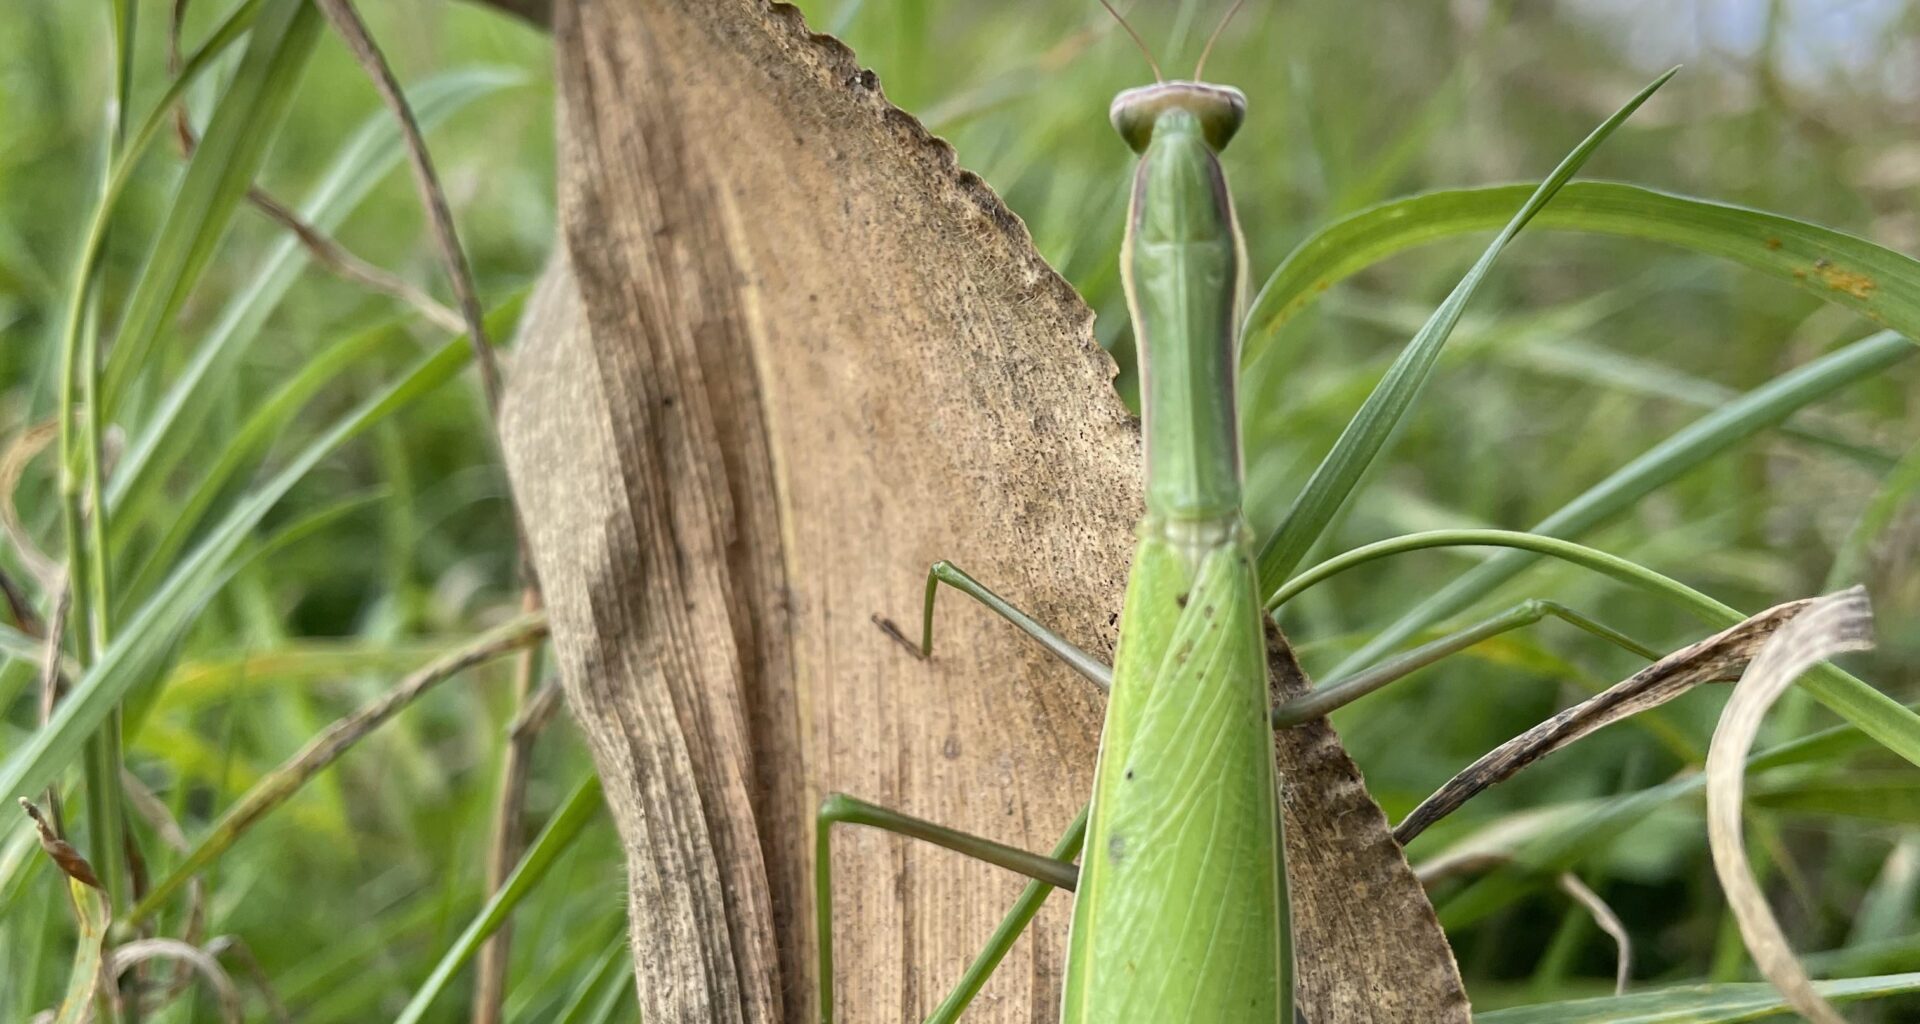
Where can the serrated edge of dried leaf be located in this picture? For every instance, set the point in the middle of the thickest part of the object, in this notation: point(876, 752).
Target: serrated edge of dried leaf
point(838, 63)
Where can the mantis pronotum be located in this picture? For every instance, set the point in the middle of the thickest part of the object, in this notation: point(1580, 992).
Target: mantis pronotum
point(1180, 908)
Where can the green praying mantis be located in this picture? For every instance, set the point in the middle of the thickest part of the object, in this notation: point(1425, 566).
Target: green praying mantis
point(1180, 906)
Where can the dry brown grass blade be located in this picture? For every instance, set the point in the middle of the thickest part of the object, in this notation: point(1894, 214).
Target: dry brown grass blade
point(346, 21)
point(1719, 657)
point(1609, 922)
point(226, 994)
point(349, 267)
point(788, 355)
point(324, 249)
point(230, 945)
point(62, 852)
point(13, 465)
point(327, 746)
point(1829, 626)
point(1440, 869)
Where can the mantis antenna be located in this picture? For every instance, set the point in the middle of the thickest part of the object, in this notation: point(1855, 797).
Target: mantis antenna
point(1215, 37)
point(1137, 41)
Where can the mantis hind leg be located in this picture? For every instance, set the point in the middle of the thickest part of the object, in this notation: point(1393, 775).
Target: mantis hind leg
point(1048, 873)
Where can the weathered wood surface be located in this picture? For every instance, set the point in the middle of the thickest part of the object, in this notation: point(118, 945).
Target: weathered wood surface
point(788, 354)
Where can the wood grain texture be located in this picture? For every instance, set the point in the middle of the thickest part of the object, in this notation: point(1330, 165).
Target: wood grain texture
point(787, 355)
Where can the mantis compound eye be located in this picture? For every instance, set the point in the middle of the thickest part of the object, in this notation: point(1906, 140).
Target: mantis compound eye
point(1220, 110)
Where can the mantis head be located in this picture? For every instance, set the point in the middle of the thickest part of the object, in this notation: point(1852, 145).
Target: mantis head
point(1219, 108)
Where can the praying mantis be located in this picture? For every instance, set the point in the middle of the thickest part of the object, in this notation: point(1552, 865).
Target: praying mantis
point(1180, 907)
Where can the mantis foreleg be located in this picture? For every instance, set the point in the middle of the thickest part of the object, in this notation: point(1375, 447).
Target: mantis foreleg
point(943, 571)
point(1325, 698)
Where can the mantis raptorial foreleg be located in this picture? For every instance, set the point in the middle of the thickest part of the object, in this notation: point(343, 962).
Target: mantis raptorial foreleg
point(943, 571)
point(1325, 698)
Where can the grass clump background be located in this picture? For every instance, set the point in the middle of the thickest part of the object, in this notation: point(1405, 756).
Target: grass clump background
point(1582, 353)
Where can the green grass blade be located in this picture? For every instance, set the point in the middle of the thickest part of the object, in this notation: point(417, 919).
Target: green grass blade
point(560, 832)
point(1871, 796)
point(15, 644)
point(1879, 283)
point(1891, 723)
point(223, 166)
point(368, 155)
point(267, 418)
point(92, 249)
point(611, 971)
point(91, 917)
point(263, 426)
point(1567, 842)
point(1696, 1004)
point(1651, 379)
point(1693, 445)
point(1369, 430)
point(139, 652)
point(1896, 486)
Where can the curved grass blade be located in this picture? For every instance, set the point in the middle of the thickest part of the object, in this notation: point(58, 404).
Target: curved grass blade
point(243, 127)
point(1881, 284)
point(140, 650)
point(1696, 1004)
point(1567, 841)
point(560, 832)
point(1831, 625)
point(325, 748)
point(1694, 444)
point(1891, 723)
point(1367, 433)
